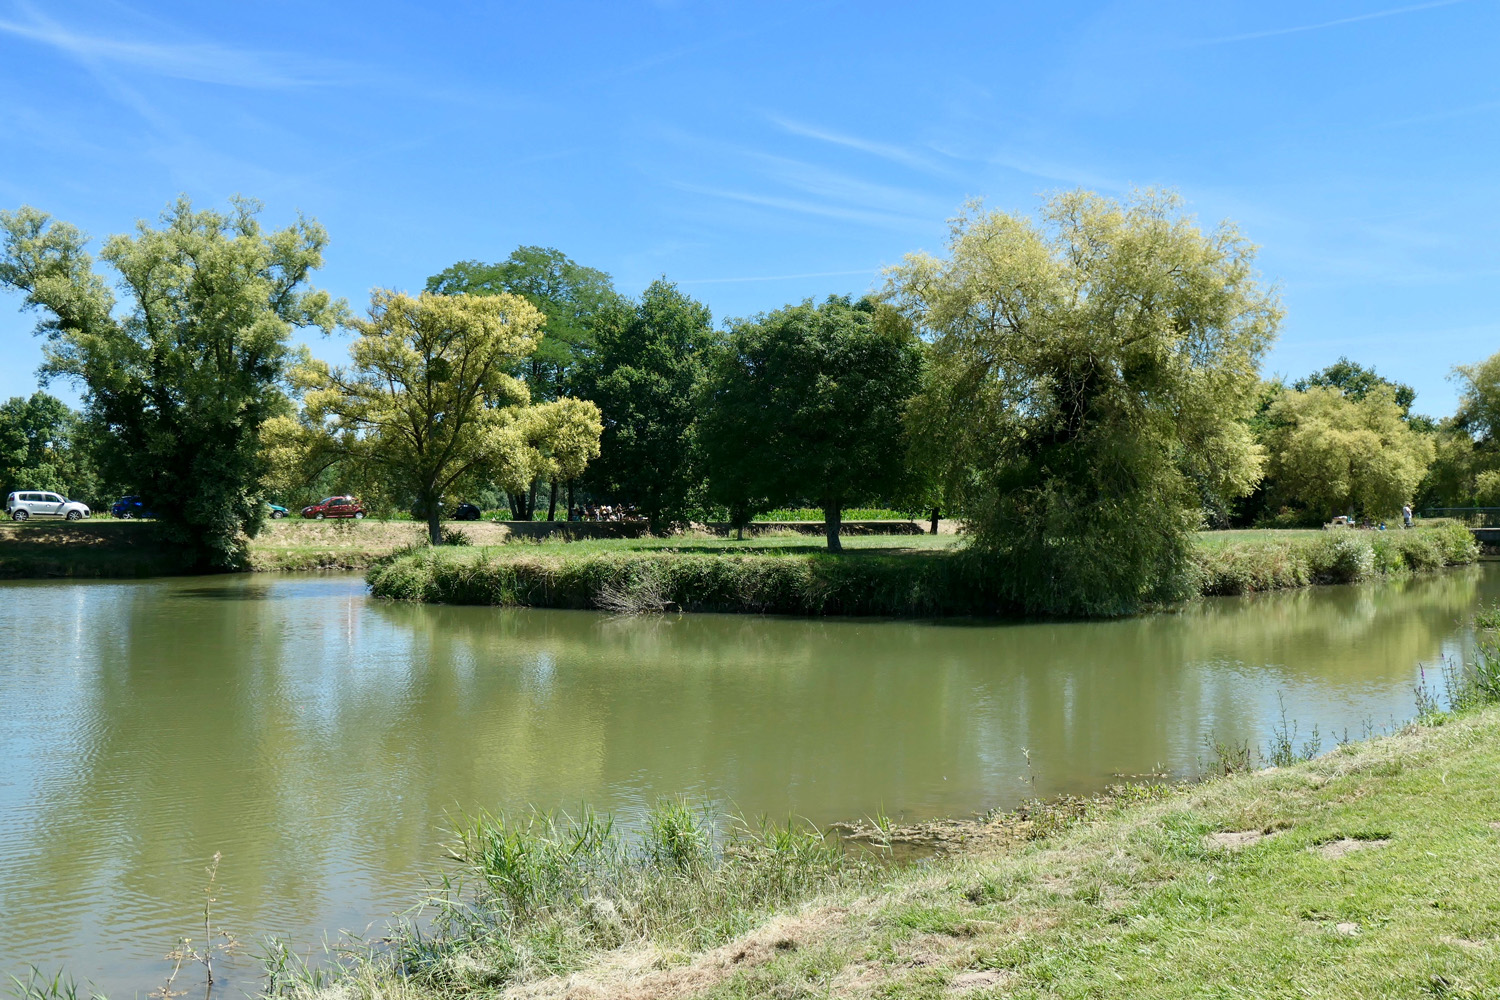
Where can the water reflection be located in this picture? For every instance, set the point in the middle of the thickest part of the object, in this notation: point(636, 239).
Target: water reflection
point(318, 739)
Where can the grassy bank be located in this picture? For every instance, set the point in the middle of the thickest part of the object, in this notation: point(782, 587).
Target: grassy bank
point(86, 549)
point(1242, 562)
point(1373, 871)
point(924, 576)
point(107, 548)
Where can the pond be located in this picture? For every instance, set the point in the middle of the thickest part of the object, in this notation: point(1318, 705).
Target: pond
point(320, 741)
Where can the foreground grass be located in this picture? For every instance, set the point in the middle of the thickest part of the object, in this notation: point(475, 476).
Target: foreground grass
point(1371, 872)
point(915, 575)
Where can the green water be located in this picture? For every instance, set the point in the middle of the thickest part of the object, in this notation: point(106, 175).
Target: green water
point(318, 739)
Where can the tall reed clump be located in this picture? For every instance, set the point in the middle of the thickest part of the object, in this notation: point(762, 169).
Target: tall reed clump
point(1333, 557)
point(1469, 683)
point(539, 894)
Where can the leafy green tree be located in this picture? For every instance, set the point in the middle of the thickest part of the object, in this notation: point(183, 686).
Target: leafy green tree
point(182, 379)
point(1468, 443)
point(1479, 399)
point(1355, 381)
point(569, 295)
point(644, 376)
point(1083, 366)
point(429, 401)
point(807, 401)
point(1336, 453)
point(43, 446)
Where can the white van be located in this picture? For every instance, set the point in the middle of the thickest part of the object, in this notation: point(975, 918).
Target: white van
point(35, 503)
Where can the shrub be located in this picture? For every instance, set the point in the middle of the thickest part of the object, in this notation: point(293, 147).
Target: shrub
point(1343, 557)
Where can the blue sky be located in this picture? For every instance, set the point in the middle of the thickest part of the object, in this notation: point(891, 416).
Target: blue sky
point(760, 153)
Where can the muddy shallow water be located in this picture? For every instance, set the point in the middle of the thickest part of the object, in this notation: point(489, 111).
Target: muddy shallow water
point(319, 740)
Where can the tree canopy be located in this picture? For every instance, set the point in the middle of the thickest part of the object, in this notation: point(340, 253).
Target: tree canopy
point(807, 402)
point(644, 375)
point(1082, 365)
point(570, 296)
point(1355, 381)
point(429, 399)
point(43, 447)
point(182, 380)
point(1339, 453)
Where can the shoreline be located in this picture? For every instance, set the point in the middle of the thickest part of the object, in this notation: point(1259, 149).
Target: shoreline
point(779, 571)
point(1263, 882)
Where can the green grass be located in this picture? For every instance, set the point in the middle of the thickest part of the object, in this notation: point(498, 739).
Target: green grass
point(1249, 561)
point(851, 514)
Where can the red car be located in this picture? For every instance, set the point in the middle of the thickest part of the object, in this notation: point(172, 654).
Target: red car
point(334, 507)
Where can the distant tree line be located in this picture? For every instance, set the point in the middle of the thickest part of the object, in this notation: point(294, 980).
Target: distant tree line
point(1081, 388)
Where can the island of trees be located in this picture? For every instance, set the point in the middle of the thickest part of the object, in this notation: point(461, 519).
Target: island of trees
point(1082, 388)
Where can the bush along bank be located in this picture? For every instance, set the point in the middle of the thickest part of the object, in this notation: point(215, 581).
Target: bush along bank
point(906, 583)
point(1332, 557)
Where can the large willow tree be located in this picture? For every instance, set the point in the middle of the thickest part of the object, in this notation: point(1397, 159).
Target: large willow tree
point(181, 375)
point(1089, 378)
point(428, 402)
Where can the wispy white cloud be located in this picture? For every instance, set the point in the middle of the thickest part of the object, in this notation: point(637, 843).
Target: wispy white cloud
point(781, 277)
point(201, 62)
point(1050, 170)
point(883, 150)
point(823, 209)
point(1251, 36)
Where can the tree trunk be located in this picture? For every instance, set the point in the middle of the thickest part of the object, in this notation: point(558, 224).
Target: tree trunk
point(935, 512)
point(552, 502)
point(517, 504)
point(570, 499)
point(531, 503)
point(833, 519)
point(434, 521)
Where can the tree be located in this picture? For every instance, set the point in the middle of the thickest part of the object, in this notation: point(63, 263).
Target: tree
point(1355, 381)
point(644, 375)
point(1336, 453)
point(43, 446)
point(181, 383)
point(1479, 399)
point(807, 402)
point(568, 294)
point(1082, 367)
point(429, 402)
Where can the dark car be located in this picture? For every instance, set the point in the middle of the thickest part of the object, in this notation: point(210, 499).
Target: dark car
point(334, 507)
point(128, 507)
point(467, 512)
point(275, 510)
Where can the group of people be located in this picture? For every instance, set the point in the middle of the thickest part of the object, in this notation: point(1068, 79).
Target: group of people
point(603, 512)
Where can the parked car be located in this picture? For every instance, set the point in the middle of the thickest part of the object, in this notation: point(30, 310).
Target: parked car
point(334, 507)
point(35, 503)
point(128, 507)
point(277, 511)
point(467, 512)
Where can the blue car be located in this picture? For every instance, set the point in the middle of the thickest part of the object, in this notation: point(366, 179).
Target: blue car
point(129, 507)
point(276, 510)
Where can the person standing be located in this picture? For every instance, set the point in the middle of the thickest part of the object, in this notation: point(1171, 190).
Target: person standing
point(1406, 514)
